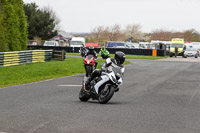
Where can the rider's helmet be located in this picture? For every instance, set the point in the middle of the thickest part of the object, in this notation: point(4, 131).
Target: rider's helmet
point(119, 57)
point(103, 48)
point(91, 49)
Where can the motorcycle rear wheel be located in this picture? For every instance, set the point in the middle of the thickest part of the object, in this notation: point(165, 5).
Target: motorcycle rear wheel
point(83, 96)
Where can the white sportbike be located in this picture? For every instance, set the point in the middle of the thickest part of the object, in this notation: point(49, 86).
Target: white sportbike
point(104, 86)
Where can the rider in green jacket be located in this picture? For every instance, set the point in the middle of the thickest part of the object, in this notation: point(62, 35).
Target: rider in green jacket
point(104, 53)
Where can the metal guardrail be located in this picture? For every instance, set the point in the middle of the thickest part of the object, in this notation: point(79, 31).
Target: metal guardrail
point(24, 57)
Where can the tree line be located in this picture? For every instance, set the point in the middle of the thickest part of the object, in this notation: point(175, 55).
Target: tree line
point(134, 32)
point(13, 26)
point(43, 23)
point(190, 35)
point(116, 33)
point(20, 22)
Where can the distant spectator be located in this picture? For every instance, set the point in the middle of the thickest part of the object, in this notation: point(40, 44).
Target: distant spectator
point(184, 48)
point(176, 51)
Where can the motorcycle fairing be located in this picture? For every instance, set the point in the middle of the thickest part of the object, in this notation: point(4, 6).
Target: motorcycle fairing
point(105, 78)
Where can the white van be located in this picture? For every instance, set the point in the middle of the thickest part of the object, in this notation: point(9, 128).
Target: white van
point(77, 42)
point(143, 45)
point(51, 43)
point(132, 45)
point(196, 45)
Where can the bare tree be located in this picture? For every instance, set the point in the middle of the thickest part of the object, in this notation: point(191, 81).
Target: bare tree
point(53, 16)
point(165, 35)
point(107, 33)
point(133, 31)
point(191, 35)
point(115, 32)
point(97, 33)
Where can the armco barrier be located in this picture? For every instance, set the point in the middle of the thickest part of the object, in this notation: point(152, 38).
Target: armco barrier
point(24, 57)
point(147, 52)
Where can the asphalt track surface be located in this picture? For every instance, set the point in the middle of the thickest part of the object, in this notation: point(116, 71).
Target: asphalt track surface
point(157, 97)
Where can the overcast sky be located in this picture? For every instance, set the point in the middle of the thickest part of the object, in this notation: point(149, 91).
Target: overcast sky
point(84, 15)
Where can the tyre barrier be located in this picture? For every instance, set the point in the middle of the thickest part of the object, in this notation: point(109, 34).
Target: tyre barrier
point(24, 57)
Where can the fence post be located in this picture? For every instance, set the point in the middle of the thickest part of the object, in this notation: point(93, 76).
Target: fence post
point(58, 55)
point(63, 54)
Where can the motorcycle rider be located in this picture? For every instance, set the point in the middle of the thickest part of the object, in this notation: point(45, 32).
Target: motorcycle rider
point(103, 51)
point(176, 51)
point(118, 60)
point(184, 49)
point(92, 52)
point(82, 49)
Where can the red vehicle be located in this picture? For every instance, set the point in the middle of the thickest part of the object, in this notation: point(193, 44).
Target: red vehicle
point(96, 45)
point(89, 64)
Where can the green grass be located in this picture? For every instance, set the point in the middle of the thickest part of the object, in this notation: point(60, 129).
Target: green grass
point(15, 75)
point(145, 57)
point(129, 56)
point(73, 54)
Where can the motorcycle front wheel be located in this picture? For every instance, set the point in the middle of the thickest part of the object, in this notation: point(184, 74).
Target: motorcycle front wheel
point(88, 70)
point(106, 94)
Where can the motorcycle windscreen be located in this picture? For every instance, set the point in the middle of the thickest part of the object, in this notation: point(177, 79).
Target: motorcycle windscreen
point(89, 56)
point(118, 72)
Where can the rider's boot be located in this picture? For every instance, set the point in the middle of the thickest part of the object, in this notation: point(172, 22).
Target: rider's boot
point(87, 83)
point(94, 74)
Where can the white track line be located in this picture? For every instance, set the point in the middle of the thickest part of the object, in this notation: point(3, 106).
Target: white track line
point(71, 85)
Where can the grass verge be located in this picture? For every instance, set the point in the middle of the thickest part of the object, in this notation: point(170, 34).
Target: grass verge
point(129, 56)
point(27, 73)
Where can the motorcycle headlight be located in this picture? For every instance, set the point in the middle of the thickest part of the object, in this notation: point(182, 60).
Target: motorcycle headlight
point(118, 76)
